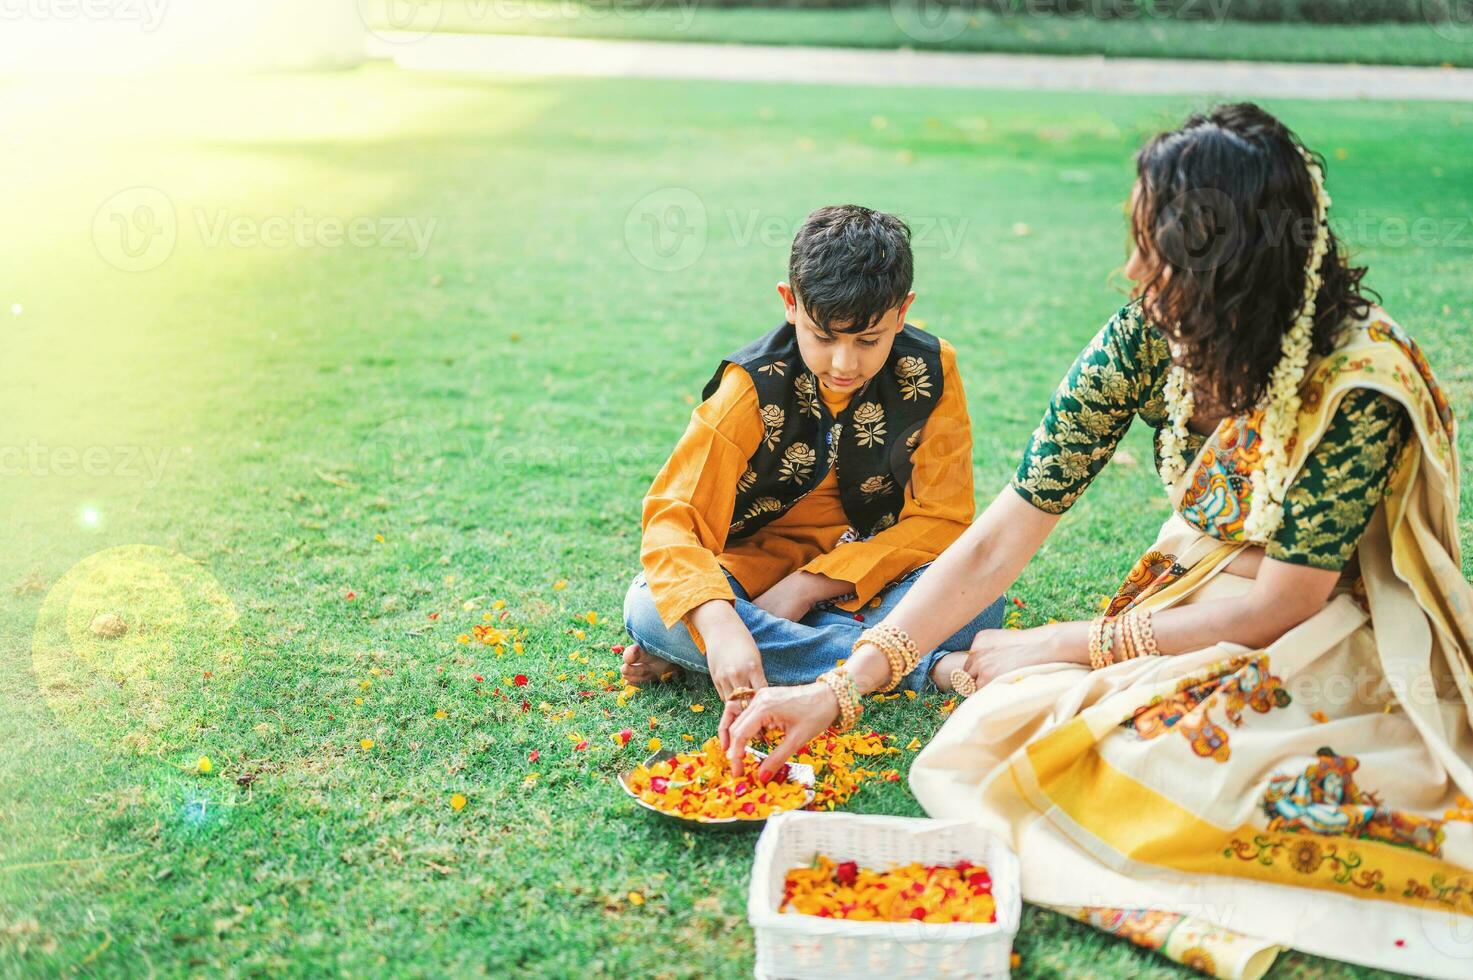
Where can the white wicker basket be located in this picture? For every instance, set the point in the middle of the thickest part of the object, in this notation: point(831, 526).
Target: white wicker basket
point(807, 946)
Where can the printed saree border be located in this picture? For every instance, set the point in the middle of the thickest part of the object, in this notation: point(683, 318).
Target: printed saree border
point(1064, 774)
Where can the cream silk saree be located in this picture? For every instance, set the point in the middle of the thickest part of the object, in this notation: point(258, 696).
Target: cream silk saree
point(1221, 804)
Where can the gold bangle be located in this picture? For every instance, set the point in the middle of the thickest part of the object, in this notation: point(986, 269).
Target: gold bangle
point(1108, 647)
point(1128, 648)
point(1096, 643)
point(900, 650)
point(893, 657)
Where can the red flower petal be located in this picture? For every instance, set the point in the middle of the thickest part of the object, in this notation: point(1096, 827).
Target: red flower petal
point(520, 680)
point(749, 808)
point(581, 746)
point(434, 615)
point(918, 912)
point(534, 755)
point(478, 678)
point(847, 873)
point(617, 648)
point(659, 784)
point(351, 595)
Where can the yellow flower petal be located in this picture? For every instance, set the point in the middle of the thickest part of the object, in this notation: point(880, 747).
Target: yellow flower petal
point(653, 745)
point(499, 604)
point(204, 764)
point(560, 584)
point(698, 708)
point(365, 744)
point(442, 713)
point(457, 802)
point(635, 898)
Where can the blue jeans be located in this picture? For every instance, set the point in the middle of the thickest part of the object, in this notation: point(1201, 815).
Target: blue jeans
point(794, 653)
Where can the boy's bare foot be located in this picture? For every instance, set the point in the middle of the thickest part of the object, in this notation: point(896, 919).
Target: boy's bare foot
point(941, 672)
point(642, 667)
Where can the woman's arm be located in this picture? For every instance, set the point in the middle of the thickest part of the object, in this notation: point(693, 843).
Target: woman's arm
point(1283, 596)
point(972, 573)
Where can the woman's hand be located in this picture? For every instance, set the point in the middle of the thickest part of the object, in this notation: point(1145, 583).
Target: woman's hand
point(801, 712)
point(996, 652)
point(795, 595)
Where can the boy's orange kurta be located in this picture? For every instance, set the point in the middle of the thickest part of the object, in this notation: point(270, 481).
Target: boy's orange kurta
point(689, 507)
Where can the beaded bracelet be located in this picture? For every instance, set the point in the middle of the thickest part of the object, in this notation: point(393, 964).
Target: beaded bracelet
point(899, 649)
point(1148, 636)
point(1102, 642)
point(846, 692)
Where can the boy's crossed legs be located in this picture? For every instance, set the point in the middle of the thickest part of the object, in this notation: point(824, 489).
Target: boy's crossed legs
point(792, 653)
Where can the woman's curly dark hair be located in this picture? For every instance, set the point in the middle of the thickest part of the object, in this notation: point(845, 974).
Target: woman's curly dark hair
point(1224, 219)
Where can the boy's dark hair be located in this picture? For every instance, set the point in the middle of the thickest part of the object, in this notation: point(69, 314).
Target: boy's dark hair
point(850, 265)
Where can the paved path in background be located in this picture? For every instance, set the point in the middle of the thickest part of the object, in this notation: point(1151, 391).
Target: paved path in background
point(558, 56)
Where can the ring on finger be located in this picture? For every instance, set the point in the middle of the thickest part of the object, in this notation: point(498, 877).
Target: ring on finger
point(963, 683)
point(741, 694)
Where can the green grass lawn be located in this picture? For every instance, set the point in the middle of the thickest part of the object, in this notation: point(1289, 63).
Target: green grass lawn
point(965, 28)
point(299, 469)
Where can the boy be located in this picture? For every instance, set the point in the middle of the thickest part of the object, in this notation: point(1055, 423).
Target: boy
point(829, 463)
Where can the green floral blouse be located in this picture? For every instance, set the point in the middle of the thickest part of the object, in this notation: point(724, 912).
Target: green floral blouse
point(1122, 374)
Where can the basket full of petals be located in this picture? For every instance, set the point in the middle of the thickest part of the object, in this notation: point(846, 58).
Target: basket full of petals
point(838, 895)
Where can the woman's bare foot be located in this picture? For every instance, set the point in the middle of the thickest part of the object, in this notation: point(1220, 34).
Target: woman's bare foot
point(945, 664)
point(642, 667)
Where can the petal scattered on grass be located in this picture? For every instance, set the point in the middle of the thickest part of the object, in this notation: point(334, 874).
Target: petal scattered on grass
point(365, 744)
point(457, 802)
point(204, 765)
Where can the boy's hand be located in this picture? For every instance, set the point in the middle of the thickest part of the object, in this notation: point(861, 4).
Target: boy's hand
point(794, 596)
point(735, 662)
point(731, 653)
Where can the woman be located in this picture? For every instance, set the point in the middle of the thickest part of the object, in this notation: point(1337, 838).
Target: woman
point(1269, 725)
